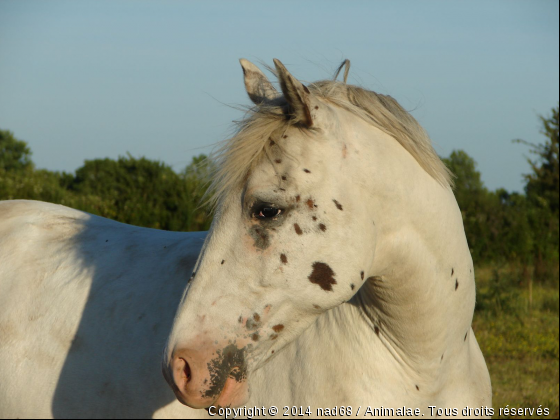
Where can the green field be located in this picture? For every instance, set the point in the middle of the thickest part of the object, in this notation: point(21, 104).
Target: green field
point(517, 330)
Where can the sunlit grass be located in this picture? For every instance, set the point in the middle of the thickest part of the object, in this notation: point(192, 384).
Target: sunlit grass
point(518, 334)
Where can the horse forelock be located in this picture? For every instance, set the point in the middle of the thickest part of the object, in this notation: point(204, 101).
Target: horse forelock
point(265, 124)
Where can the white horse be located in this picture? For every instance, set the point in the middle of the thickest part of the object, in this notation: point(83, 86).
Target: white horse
point(336, 273)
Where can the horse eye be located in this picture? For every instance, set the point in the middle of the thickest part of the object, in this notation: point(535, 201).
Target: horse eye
point(268, 212)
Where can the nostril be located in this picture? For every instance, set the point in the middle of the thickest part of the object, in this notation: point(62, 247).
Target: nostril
point(183, 370)
point(187, 371)
point(182, 373)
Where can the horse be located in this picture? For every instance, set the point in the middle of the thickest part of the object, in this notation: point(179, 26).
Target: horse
point(336, 273)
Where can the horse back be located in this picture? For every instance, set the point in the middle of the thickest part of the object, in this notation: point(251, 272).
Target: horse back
point(80, 298)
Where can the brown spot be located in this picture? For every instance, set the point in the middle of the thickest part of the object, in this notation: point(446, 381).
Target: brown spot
point(466, 336)
point(417, 389)
point(452, 272)
point(285, 136)
point(283, 258)
point(352, 286)
point(322, 227)
point(240, 319)
point(274, 336)
point(278, 161)
point(307, 171)
point(316, 306)
point(338, 205)
point(298, 229)
point(456, 284)
point(441, 358)
point(272, 143)
point(362, 275)
point(223, 261)
point(252, 324)
point(255, 337)
point(283, 178)
point(323, 276)
point(278, 328)
point(316, 107)
point(376, 329)
point(310, 203)
point(256, 317)
point(314, 218)
point(298, 198)
point(272, 352)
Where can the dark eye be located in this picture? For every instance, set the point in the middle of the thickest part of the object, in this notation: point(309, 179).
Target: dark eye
point(266, 212)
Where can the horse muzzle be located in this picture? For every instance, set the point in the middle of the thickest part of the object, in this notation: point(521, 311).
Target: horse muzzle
point(201, 379)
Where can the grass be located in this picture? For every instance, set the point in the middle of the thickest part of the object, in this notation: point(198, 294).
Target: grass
point(516, 326)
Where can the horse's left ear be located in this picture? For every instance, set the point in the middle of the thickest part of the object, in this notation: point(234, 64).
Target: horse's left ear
point(258, 87)
point(296, 93)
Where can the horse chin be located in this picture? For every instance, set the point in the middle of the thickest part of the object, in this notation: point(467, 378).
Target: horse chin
point(234, 394)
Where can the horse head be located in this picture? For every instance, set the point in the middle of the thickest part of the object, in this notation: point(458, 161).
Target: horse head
point(295, 230)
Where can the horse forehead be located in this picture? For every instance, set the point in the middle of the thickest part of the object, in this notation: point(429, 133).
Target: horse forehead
point(292, 157)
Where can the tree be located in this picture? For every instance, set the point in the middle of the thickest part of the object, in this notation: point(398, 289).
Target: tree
point(467, 178)
point(142, 192)
point(496, 222)
point(542, 193)
point(197, 177)
point(15, 155)
point(542, 183)
point(474, 201)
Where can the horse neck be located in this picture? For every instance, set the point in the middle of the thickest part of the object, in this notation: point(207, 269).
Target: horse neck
point(419, 295)
point(420, 291)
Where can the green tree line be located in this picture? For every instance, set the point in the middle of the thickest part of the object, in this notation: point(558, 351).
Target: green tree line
point(515, 227)
point(131, 190)
point(500, 226)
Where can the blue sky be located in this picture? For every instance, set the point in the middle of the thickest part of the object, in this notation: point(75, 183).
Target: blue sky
point(88, 79)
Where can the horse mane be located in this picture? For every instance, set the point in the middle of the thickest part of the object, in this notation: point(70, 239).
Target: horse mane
point(385, 113)
point(237, 156)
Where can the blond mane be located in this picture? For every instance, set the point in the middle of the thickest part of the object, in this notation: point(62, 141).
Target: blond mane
point(238, 155)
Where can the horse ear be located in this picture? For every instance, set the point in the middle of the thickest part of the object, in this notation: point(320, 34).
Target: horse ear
point(346, 66)
point(257, 85)
point(296, 94)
